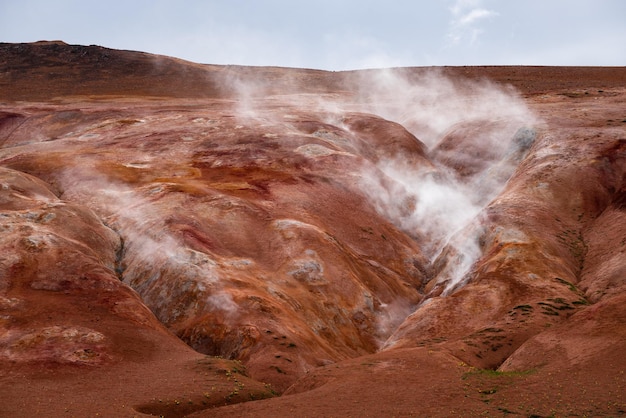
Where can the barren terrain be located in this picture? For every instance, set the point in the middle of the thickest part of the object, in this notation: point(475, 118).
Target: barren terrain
point(180, 239)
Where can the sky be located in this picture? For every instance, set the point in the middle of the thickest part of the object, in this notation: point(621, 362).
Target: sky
point(335, 34)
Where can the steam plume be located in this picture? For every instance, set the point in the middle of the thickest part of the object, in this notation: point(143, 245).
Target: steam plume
point(477, 134)
point(151, 253)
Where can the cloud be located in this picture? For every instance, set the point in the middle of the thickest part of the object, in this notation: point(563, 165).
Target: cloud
point(474, 15)
point(466, 17)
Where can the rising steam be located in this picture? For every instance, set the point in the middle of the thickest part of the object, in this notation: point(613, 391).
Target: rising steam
point(476, 132)
point(150, 251)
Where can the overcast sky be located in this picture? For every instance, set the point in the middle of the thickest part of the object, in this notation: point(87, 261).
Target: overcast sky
point(335, 34)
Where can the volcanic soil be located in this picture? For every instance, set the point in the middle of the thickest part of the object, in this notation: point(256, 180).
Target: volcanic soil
point(179, 239)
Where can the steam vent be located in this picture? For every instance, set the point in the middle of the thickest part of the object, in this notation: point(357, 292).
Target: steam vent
point(187, 240)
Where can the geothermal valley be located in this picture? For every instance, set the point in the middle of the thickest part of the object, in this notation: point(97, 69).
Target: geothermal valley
point(186, 240)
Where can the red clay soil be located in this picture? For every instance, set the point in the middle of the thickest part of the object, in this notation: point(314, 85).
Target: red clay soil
point(181, 239)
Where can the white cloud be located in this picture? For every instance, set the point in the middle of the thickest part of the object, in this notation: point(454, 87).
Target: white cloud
point(474, 15)
point(466, 17)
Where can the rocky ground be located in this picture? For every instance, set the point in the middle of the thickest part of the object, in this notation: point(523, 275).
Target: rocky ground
point(192, 240)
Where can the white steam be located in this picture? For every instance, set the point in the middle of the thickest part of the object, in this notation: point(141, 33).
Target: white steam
point(472, 125)
point(418, 201)
point(433, 208)
point(152, 255)
point(477, 134)
point(246, 91)
point(476, 126)
point(429, 104)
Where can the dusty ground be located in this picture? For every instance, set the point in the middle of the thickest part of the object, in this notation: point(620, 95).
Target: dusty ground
point(279, 222)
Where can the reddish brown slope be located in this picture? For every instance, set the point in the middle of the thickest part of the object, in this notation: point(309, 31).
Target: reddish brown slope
point(70, 328)
point(262, 237)
point(248, 229)
point(47, 70)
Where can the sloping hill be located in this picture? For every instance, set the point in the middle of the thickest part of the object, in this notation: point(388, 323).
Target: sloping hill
point(426, 241)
